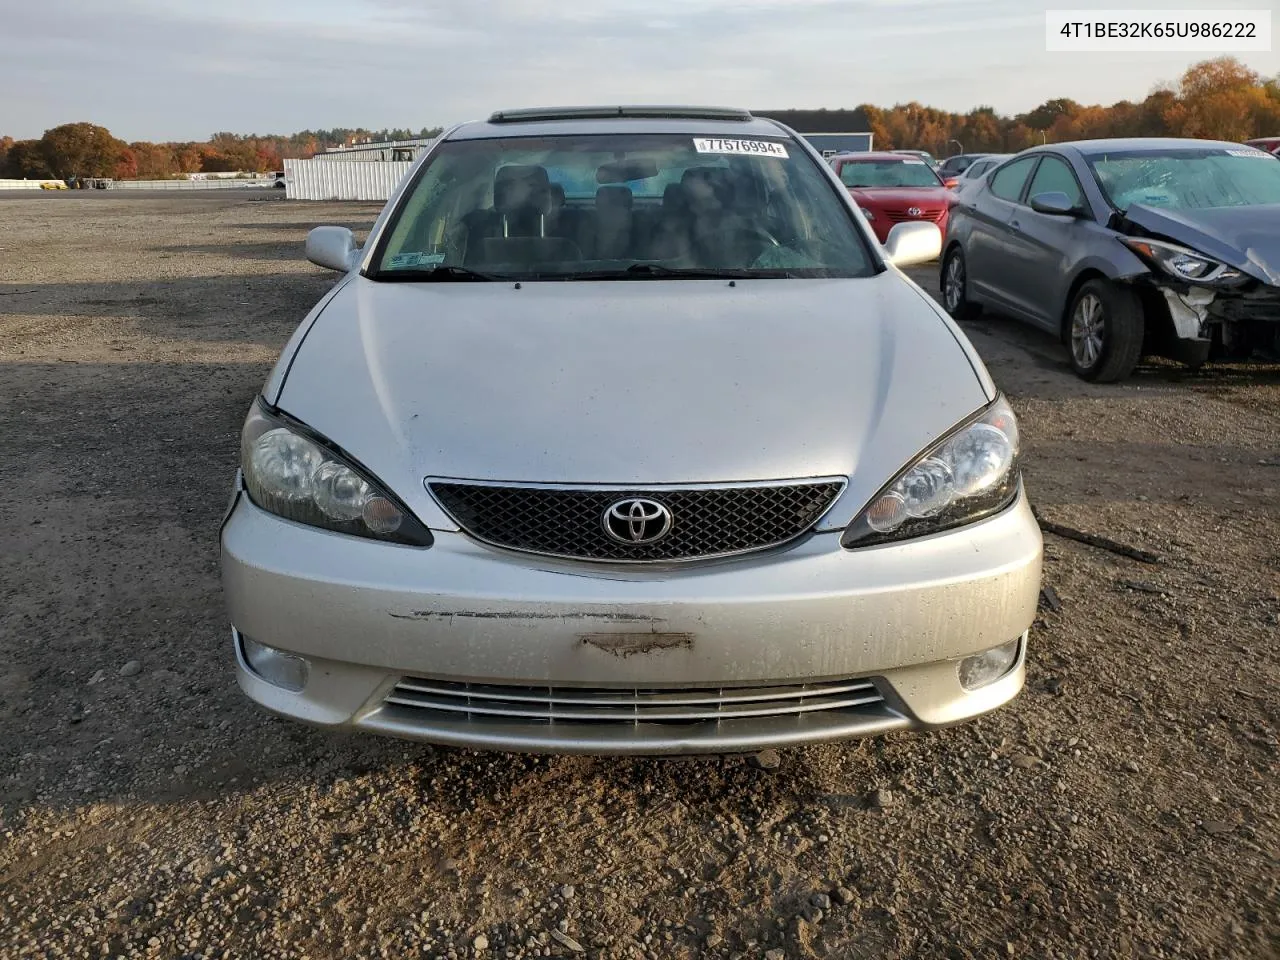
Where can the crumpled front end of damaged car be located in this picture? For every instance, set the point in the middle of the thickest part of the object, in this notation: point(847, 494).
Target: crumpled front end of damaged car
point(1216, 308)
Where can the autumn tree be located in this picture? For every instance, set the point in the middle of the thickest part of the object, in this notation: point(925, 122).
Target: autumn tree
point(1223, 99)
point(155, 161)
point(25, 161)
point(80, 150)
point(126, 165)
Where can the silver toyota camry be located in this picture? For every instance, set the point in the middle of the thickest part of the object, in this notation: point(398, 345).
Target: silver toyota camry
point(622, 434)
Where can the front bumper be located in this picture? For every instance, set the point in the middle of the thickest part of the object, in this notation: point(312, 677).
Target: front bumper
point(369, 615)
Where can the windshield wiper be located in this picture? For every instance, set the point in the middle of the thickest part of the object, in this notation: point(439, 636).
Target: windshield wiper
point(658, 271)
point(444, 273)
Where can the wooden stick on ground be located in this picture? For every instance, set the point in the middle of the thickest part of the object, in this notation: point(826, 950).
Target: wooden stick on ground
point(1093, 540)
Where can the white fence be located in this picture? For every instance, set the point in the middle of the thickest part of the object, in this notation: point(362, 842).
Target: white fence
point(24, 184)
point(342, 179)
point(221, 184)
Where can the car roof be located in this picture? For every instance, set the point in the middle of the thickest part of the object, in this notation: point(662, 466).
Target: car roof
point(559, 121)
point(1090, 148)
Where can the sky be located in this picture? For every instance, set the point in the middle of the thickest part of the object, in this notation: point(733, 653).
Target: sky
point(181, 70)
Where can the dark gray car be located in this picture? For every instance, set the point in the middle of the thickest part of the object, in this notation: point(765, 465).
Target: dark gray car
point(957, 164)
point(1125, 248)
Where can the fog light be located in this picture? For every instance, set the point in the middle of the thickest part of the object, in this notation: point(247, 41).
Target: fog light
point(989, 665)
point(282, 669)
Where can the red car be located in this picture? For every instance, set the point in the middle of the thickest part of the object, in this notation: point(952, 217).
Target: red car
point(894, 188)
point(1269, 144)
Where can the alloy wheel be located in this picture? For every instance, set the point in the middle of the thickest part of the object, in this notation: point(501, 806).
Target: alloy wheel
point(1087, 330)
point(953, 288)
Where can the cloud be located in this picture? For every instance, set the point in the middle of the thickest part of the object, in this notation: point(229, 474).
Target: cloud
point(178, 69)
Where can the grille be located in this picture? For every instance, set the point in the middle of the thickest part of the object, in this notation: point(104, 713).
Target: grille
point(641, 705)
point(569, 522)
point(900, 216)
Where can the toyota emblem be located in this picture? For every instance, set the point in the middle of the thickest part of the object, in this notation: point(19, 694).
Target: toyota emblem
point(637, 521)
point(914, 211)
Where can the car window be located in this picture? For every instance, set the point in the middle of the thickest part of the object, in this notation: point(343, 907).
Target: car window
point(1006, 183)
point(596, 205)
point(976, 169)
point(1188, 179)
point(1054, 176)
point(888, 173)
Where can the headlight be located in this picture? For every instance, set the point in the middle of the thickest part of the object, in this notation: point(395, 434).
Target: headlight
point(969, 475)
point(867, 213)
point(292, 473)
point(1180, 262)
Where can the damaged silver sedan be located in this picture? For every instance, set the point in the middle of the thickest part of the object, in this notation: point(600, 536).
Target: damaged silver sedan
point(622, 434)
point(1125, 248)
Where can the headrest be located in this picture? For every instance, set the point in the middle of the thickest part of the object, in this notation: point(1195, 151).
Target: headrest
point(614, 197)
point(557, 196)
point(707, 187)
point(674, 197)
point(522, 187)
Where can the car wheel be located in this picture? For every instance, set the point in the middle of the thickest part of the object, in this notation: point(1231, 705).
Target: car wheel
point(955, 287)
point(1105, 332)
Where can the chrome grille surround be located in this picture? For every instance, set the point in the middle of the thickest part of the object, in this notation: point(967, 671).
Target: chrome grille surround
point(440, 699)
point(565, 520)
point(926, 216)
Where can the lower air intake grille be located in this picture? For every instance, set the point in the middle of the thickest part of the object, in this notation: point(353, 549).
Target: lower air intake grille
point(570, 522)
point(588, 705)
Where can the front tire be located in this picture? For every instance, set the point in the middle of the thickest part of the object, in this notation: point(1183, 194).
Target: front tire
point(1104, 331)
point(954, 281)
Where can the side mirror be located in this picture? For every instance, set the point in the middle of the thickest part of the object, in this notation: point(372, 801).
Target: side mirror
point(912, 243)
point(1055, 204)
point(333, 248)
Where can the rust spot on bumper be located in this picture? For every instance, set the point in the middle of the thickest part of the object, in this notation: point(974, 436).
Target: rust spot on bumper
point(625, 644)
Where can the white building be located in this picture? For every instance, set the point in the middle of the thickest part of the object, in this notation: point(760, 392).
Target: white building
point(386, 150)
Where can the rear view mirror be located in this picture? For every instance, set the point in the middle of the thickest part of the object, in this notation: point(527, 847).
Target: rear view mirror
point(1054, 204)
point(624, 171)
point(911, 243)
point(333, 248)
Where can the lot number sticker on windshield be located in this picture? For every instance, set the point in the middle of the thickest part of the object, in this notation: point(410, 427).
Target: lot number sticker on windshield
point(750, 148)
point(1249, 153)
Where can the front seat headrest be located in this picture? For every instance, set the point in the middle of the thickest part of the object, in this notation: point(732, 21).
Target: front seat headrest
point(522, 187)
point(707, 187)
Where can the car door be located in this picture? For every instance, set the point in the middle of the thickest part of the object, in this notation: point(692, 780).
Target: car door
point(990, 207)
point(1040, 244)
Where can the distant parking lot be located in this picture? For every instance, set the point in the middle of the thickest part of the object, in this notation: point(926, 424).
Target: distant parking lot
point(1124, 806)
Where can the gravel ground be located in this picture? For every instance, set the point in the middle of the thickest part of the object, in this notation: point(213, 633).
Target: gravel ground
point(1125, 805)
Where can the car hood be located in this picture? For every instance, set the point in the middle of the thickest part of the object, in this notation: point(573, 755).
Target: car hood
point(631, 382)
point(901, 196)
point(1244, 237)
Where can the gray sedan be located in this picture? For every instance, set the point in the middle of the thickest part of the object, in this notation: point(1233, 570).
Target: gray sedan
point(622, 434)
point(1125, 248)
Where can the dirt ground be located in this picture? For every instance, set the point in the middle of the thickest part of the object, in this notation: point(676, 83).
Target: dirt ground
point(1126, 805)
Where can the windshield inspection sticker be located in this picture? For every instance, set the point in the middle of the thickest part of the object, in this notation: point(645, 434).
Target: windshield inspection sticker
point(402, 260)
point(749, 148)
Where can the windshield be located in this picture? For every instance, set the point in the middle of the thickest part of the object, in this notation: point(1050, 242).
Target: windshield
point(888, 173)
point(620, 206)
point(1188, 179)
